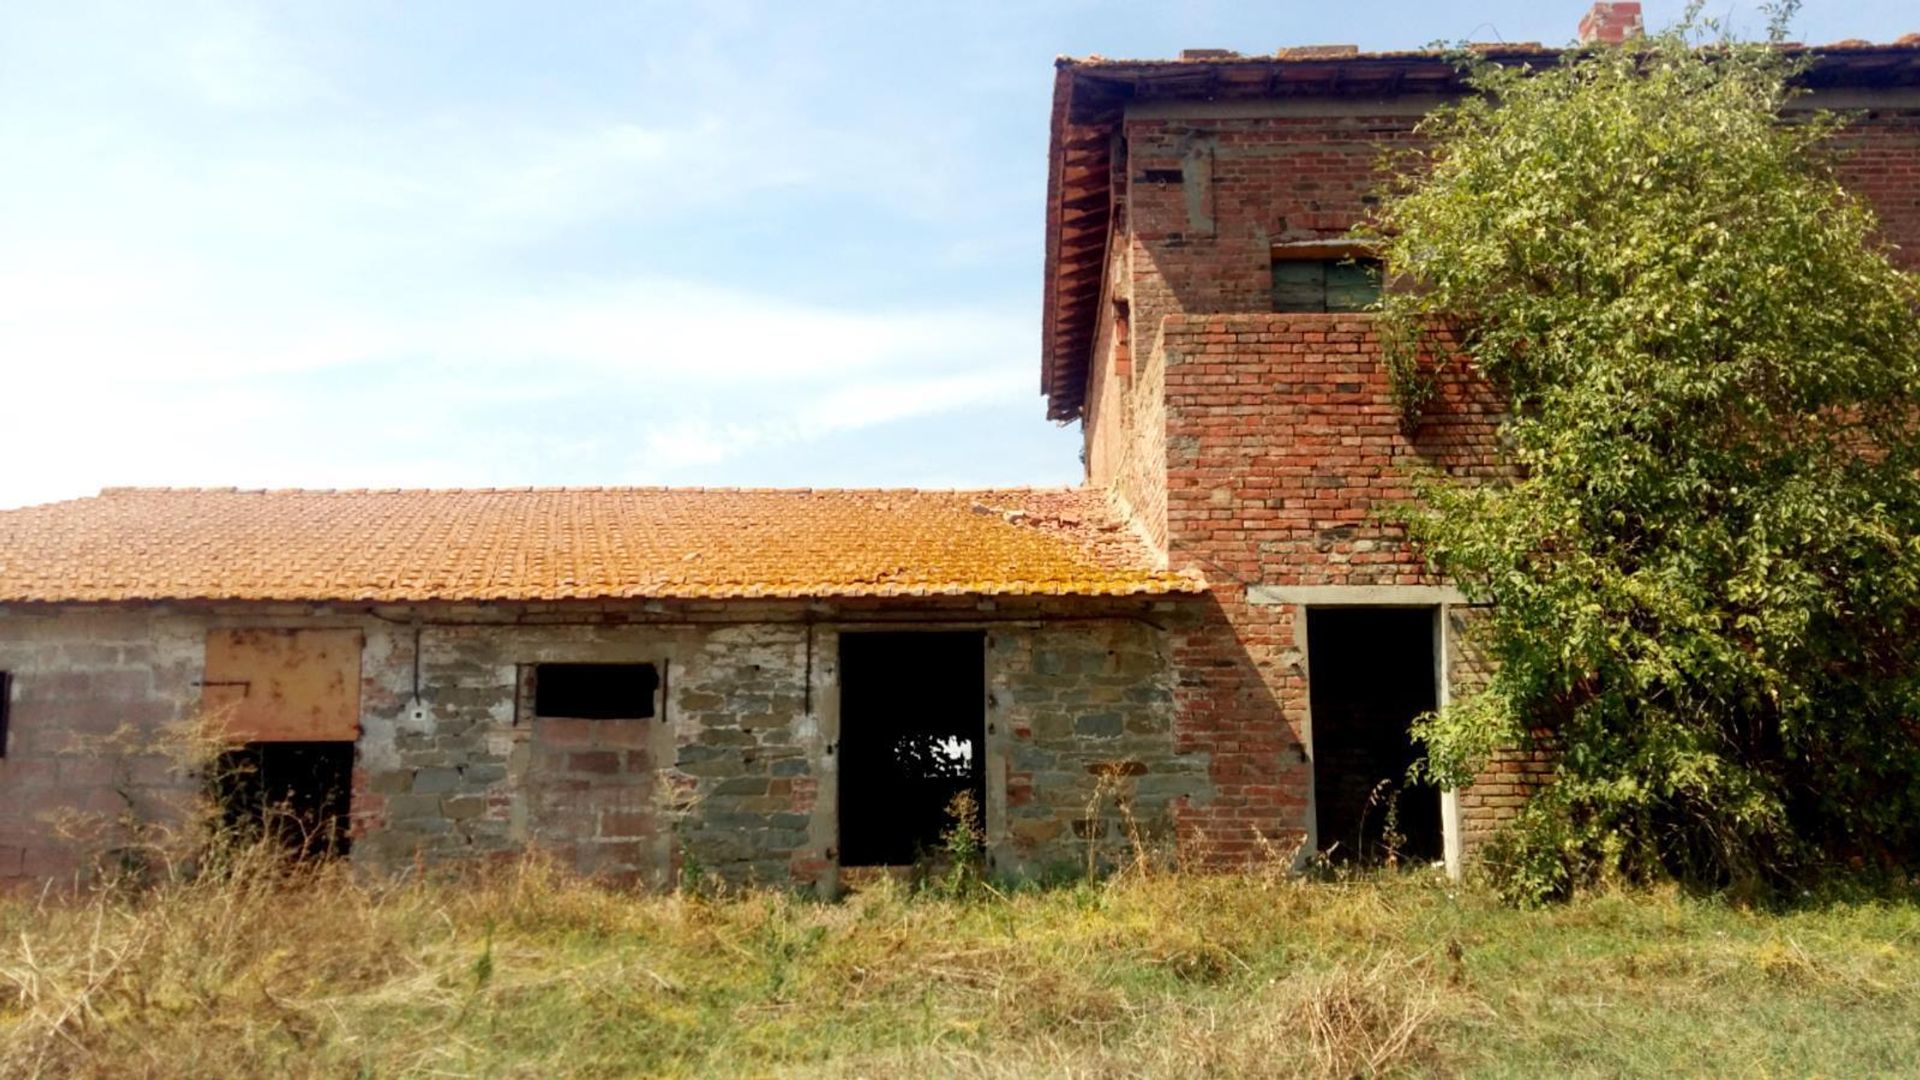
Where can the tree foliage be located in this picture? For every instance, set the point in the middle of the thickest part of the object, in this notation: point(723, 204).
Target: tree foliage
point(1704, 575)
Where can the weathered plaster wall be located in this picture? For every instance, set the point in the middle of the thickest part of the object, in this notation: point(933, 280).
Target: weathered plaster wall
point(736, 773)
point(1126, 423)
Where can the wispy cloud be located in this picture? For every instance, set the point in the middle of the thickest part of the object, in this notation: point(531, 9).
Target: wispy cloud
point(228, 263)
point(625, 383)
point(230, 56)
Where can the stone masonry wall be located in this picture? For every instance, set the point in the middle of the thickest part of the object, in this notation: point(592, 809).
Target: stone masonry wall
point(751, 759)
point(726, 775)
point(91, 696)
point(1090, 766)
point(736, 772)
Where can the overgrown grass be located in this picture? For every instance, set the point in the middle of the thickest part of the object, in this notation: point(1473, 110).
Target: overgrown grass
point(528, 973)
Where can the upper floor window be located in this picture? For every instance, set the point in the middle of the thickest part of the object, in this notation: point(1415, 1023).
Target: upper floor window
point(1320, 283)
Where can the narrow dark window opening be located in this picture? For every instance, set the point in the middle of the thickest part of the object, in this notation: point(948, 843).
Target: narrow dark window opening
point(1325, 285)
point(595, 691)
point(1371, 671)
point(1122, 348)
point(913, 708)
point(296, 793)
point(6, 710)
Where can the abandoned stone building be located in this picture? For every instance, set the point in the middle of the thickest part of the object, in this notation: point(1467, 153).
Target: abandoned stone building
point(1216, 643)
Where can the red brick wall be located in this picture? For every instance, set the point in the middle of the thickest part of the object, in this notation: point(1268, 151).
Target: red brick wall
point(1283, 444)
point(1208, 198)
point(1879, 157)
point(1202, 243)
point(1278, 437)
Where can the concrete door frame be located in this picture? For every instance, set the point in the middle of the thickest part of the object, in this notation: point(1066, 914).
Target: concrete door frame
point(823, 677)
point(1439, 599)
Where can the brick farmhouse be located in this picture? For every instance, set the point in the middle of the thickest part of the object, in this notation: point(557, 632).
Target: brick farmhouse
point(1213, 647)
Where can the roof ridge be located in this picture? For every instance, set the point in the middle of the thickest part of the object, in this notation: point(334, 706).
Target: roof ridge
point(1320, 54)
point(120, 491)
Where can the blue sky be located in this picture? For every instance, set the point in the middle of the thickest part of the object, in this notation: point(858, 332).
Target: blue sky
point(351, 243)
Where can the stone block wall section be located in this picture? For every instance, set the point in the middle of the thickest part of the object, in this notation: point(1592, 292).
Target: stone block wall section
point(93, 695)
point(1091, 765)
point(737, 772)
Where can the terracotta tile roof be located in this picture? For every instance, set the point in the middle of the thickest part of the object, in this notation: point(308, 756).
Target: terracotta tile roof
point(569, 543)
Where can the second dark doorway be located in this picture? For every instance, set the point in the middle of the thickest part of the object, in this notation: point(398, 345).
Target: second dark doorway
point(1371, 671)
point(298, 793)
point(912, 736)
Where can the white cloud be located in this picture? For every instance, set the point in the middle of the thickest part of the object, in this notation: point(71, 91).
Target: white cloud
point(158, 385)
point(233, 60)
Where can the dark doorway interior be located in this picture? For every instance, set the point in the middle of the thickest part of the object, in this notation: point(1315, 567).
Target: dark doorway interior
point(912, 736)
point(1371, 672)
point(298, 793)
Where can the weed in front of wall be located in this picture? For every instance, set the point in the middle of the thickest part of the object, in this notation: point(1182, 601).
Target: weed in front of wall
point(1385, 794)
point(1113, 786)
point(963, 850)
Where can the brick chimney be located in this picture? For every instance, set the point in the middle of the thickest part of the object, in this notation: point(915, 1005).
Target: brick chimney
point(1610, 23)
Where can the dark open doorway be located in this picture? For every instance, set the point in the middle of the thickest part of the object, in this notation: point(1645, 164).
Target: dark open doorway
point(297, 793)
point(912, 736)
point(1371, 671)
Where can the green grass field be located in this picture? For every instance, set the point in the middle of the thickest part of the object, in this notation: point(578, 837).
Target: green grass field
point(529, 974)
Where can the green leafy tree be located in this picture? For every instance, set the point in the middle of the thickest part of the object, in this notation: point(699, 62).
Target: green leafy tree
point(1705, 570)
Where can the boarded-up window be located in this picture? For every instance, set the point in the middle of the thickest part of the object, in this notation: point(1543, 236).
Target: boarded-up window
point(1319, 285)
point(283, 685)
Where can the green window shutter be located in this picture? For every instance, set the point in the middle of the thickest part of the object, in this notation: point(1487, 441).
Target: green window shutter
point(1299, 285)
point(1351, 286)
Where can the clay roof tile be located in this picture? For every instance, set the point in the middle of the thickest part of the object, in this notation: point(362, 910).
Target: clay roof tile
point(533, 544)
